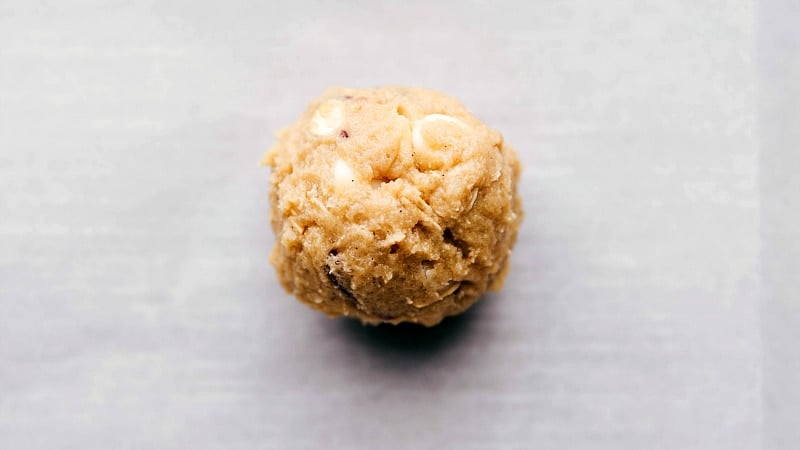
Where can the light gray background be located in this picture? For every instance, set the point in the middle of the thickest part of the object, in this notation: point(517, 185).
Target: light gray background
point(653, 297)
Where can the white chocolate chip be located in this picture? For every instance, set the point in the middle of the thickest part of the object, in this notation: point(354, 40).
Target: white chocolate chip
point(449, 289)
point(417, 140)
point(327, 118)
point(342, 174)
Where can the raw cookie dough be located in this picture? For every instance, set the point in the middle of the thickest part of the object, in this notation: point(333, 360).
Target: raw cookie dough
point(392, 205)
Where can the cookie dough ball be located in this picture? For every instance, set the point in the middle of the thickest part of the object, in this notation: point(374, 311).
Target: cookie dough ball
point(392, 205)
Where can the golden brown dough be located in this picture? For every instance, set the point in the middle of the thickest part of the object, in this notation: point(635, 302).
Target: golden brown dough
point(392, 204)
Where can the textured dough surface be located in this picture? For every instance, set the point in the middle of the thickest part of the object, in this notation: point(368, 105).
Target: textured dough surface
point(392, 205)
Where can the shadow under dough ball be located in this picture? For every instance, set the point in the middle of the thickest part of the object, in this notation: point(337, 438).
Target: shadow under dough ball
point(392, 205)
